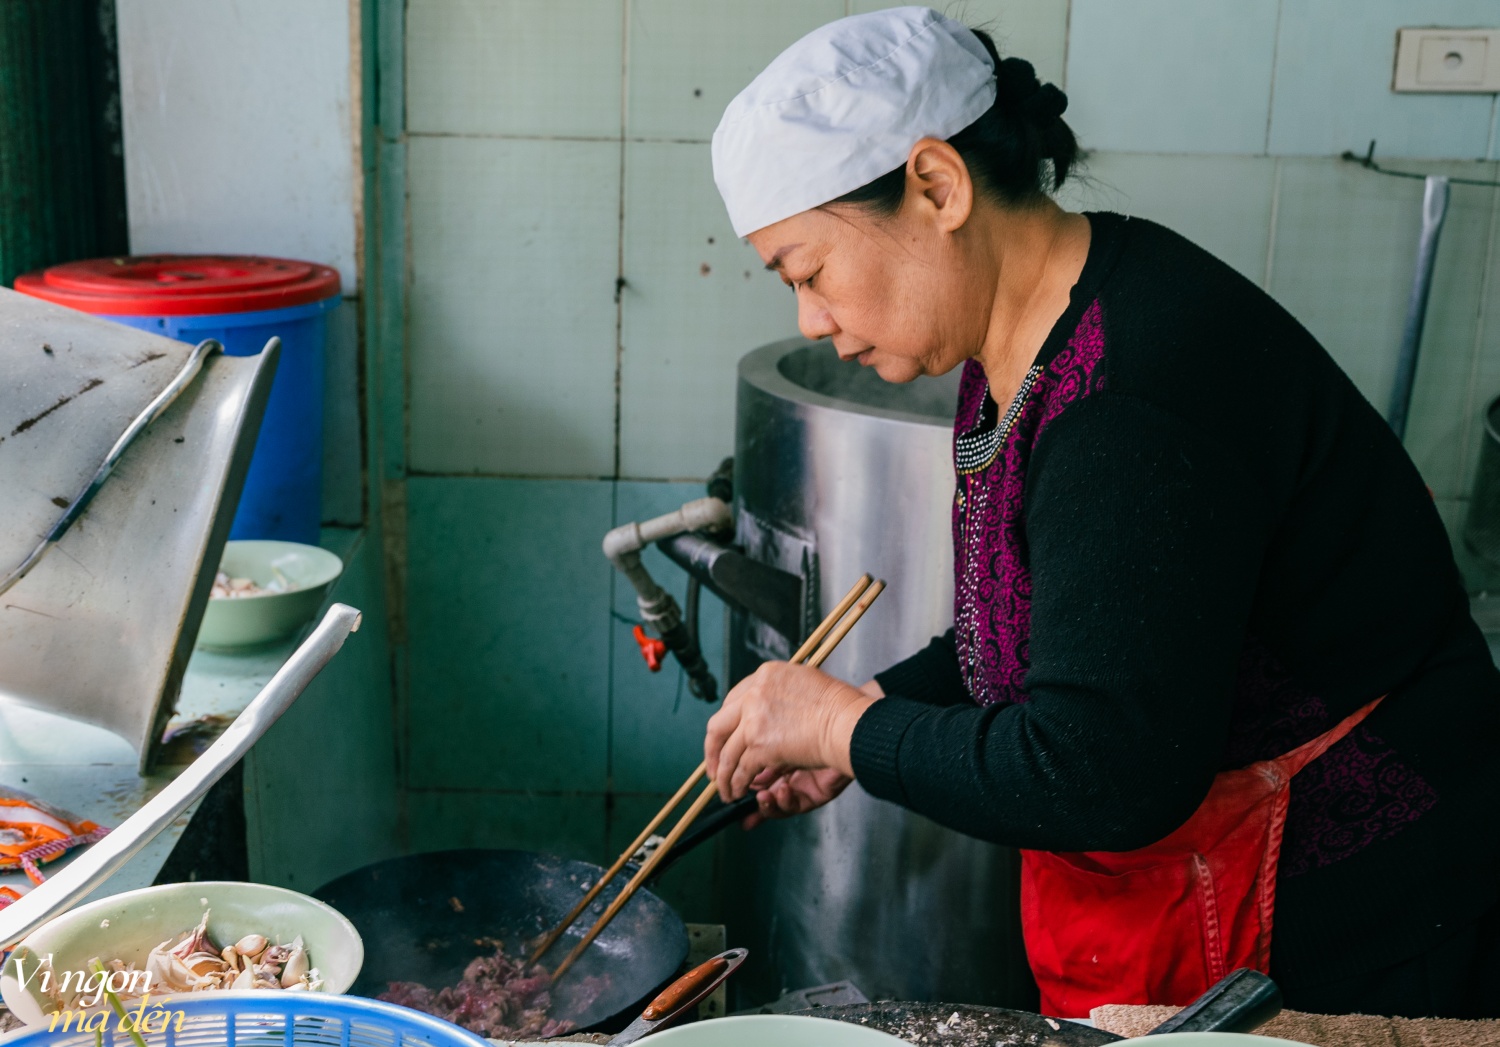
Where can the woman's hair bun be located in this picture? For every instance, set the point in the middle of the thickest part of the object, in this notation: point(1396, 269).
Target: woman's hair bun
point(1015, 81)
point(1046, 105)
point(1018, 90)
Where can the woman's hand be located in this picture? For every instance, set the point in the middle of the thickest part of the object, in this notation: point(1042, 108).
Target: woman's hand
point(782, 718)
point(796, 793)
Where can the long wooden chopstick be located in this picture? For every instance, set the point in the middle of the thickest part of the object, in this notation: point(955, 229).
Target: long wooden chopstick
point(841, 630)
point(826, 625)
point(856, 604)
point(646, 869)
point(620, 862)
point(808, 647)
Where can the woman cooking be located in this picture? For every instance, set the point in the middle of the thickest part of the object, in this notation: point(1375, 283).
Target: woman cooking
point(1212, 662)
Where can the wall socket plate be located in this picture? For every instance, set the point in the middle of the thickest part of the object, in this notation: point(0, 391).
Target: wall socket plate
point(1447, 60)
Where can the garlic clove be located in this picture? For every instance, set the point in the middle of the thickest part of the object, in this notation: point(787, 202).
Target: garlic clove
point(245, 979)
point(251, 945)
point(231, 957)
point(296, 965)
point(196, 940)
point(204, 963)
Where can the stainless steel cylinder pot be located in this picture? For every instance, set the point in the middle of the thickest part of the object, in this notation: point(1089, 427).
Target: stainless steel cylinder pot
point(838, 473)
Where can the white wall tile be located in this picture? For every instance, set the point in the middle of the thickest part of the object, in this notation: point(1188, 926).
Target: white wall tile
point(499, 67)
point(1036, 30)
point(688, 58)
point(511, 347)
point(697, 300)
point(239, 136)
point(1334, 61)
point(1221, 203)
point(1171, 76)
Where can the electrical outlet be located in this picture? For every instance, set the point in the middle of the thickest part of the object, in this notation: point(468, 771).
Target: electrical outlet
point(1450, 60)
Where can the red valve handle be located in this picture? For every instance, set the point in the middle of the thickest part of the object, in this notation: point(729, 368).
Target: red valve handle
point(652, 649)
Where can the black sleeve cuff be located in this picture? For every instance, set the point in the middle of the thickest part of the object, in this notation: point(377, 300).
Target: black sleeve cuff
point(875, 747)
point(930, 676)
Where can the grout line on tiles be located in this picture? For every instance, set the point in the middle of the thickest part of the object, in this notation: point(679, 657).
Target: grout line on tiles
point(614, 487)
point(1489, 152)
point(609, 651)
point(1067, 41)
point(1486, 274)
point(1271, 234)
point(1271, 94)
point(620, 239)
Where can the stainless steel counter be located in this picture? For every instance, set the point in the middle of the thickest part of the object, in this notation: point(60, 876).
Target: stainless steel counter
point(93, 773)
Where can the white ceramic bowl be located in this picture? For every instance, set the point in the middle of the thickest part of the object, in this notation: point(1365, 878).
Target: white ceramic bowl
point(128, 926)
point(242, 621)
point(780, 1030)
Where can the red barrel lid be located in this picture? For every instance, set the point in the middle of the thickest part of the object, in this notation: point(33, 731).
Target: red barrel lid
point(181, 285)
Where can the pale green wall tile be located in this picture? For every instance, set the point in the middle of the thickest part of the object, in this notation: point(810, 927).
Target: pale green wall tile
point(508, 603)
point(690, 886)
point(688, 58)
point(499, 67)
point(1342, 263)
point(657, 735)
point(1343, 260)
point(1487, 364)
point(570, 825)
point(1480, 575)
point(1453, 372)
point(1171, 76)
point(697, 300)
point(320, 787)
point(1221, 203)
point(1333, 81)
point(511, 346)
point(1036, 30)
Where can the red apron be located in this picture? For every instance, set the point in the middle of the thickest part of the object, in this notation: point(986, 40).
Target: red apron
point(1161, 924)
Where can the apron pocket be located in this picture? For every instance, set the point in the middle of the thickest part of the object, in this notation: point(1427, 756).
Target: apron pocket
point(1154, 939)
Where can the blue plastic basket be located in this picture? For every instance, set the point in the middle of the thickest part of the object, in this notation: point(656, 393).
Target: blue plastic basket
point(272, 1019)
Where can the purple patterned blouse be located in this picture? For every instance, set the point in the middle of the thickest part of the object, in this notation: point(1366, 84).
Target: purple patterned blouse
point(1359, 792)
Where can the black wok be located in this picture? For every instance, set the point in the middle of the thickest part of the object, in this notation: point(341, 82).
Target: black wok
point(423, 917)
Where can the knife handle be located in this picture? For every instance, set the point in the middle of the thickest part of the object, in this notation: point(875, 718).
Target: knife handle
point(1241, 1001)
point(686, 992)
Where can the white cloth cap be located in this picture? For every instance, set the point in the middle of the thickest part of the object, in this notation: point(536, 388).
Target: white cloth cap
point(843, 106)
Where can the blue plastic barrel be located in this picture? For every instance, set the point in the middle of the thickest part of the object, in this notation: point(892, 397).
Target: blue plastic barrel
point(241, 302)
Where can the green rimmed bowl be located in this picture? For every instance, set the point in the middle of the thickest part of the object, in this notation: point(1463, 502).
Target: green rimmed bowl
point(244, 621)
point(128, 926)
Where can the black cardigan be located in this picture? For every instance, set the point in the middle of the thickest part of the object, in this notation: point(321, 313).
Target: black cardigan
point(1228, 480)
